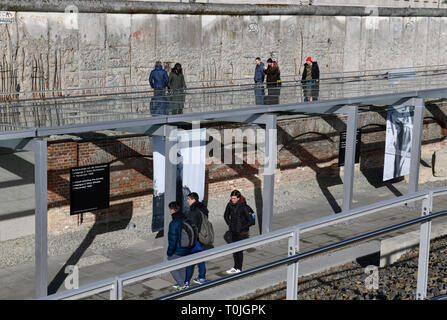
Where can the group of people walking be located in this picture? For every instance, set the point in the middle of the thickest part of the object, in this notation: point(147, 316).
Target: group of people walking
point(174, 84)
point(310, 81)
point(169, 90)
point(238, 216)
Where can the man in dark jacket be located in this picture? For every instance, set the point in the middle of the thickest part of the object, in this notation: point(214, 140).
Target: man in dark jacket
point(175, 249)
point(196, 209)
point(238, 218)
point(259, 81)
point(158, 78)
point(311, 80)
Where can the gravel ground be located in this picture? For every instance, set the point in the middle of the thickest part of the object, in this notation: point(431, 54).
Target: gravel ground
point(347, 282)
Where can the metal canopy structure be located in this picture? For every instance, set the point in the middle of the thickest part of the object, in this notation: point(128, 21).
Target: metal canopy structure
point(24, 124)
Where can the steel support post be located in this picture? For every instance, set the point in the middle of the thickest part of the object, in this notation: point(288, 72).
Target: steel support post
point(171, 160)
point(351, 137)
point(292, 268)
point(269, 172)
point(416, 141)
point(39, 147)
point(424, 250)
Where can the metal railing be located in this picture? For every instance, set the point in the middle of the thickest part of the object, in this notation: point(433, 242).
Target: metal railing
point(202, 84)
point(115, 285)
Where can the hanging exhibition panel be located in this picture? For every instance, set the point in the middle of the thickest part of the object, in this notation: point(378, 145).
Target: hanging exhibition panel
point(399, 131)
point(89, 188)
point(191, 146)
point(342, 147)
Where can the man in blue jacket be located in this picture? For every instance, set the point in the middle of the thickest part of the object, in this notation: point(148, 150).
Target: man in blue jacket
point(259, 81)
point(159, 78)
point(175, 249)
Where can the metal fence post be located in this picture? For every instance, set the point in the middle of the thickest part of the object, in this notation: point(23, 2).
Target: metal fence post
point(424, 250)
point(351, 137)
point(117, 291)
point(292, 268)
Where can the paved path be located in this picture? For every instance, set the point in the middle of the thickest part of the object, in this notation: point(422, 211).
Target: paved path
point(18, 282)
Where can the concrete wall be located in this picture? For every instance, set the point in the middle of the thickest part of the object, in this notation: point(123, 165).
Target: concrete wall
point(62, 51)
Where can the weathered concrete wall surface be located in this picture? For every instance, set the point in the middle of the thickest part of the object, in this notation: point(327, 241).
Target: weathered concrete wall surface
point(57, 50)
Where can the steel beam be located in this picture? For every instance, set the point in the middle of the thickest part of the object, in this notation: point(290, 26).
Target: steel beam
point(39, 147)
point(169, 134)
point(416, 142)
point(292, 268)
point(351, 137)
point(270, 157)
point(424, 250)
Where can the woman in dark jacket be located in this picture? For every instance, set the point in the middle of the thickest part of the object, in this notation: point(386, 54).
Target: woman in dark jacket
point(238, 218)
point(273, 75)
point(176, 88)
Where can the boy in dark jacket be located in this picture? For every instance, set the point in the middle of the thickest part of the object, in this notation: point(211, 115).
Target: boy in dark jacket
point(196, 209)
point(238, 218)
point(175, 249)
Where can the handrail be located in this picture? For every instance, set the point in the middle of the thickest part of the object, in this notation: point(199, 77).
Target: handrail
point(307, 254)
point(360, 73)
point(149, 272)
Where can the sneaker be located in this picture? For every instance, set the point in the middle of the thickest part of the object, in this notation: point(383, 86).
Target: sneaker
point(179, 288)
point(233, 270)
point(199, 280)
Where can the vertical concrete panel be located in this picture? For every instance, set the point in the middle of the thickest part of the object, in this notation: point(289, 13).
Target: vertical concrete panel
point(270, 36)
point(178, 39)
point(290, 54)
point(92, 47)
point(252, 48)
point(443, 41)
point(211, 48)
point(335, 43)
point(63, 50)
point(419, 51)
point(118, 58)
point(231, 52)
point(352, 45)
point(33, 36)
point(433, 45)
point(143, 46)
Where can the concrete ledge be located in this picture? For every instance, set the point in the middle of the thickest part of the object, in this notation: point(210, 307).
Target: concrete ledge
point(393, 248)
point(143, 7)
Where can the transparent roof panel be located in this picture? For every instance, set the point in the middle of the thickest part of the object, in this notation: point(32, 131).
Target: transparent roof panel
point(96, 109)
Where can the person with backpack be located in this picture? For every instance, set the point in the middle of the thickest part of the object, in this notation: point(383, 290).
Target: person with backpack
point(198, 214)
point(175, 248)
point(238, 216)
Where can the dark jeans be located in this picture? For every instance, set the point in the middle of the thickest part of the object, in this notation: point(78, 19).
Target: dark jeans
point(201, 266)
point(311, 90)
point(259, 93)
point(238, 257)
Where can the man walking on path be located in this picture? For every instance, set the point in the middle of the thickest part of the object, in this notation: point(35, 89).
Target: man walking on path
point(259, 81)
point(196, 209)
point(159, 79)
point(239, 219)
point(311, 80)
point(175, 249)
